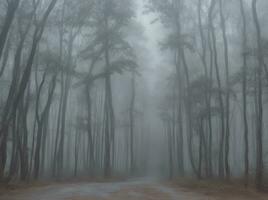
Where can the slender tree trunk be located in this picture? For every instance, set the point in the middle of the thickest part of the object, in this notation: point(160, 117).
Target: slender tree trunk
point(107, 146)
point(220, 98)
point(200, 150)
point(11, 10)
point(180, 137)
point(109, 110)
point(208, 86)
point(244, 93)
point(132, 123)
point(14, 165)
point(259, 134)
point(227, 100)
point(5, 56)
point(91, 148)
point(23, 142)
point(170, 147)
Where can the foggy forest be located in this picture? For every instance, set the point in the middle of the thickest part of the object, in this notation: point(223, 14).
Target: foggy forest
point(133, 99)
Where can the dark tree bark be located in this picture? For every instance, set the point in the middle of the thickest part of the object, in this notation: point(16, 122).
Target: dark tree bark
point(23, 141)
point(132, 122)
point(61, 38)
point(5, 56)
point(109, 110)
point(220, 98)
point(244, 92)
point(259, 125)
point(227, 100)
point(180, 135)
point(10, 14)
point(109, 127)
point(208, 86)
point(90, 149)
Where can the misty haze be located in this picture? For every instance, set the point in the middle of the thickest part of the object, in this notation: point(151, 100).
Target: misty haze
point(133, 99)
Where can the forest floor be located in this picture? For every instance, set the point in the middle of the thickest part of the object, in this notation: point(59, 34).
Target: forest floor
point(135, 189)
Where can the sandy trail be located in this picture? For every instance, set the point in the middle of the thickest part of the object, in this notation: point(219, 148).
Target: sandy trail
point(139, 189)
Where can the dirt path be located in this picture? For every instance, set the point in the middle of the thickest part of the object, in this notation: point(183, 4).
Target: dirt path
point(129, 190)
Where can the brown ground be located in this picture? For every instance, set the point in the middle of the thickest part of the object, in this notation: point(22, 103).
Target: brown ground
point(136, 190)
point(223, 190)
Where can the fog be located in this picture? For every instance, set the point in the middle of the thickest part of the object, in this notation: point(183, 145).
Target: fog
point(134, 88)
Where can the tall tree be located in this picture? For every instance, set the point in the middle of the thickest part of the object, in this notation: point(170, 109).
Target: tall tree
point(227, 100)
point(244, 91)
point(259, 84)
point(12, 107)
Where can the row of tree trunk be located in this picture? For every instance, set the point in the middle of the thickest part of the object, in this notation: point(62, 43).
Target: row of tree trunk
point(207, 106)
